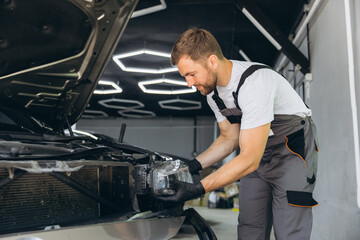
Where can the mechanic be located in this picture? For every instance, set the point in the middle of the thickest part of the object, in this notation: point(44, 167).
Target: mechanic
point(258, 111)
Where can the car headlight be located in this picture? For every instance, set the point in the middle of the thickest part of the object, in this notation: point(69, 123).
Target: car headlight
point(160, 177)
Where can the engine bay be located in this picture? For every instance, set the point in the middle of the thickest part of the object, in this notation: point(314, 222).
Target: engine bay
point(65, 180)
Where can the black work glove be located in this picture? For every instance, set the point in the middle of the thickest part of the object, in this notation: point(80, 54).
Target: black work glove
point(194, 166)
point(184, 191)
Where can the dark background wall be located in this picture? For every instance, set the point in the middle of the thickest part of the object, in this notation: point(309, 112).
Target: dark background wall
point(167, 135)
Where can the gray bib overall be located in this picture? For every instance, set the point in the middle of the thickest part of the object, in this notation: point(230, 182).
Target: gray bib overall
point(279, 192)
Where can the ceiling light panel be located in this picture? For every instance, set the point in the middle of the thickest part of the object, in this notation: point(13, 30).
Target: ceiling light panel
point(170, 82)
point(136, 113)
point(117, 59)
point(243, 54)
point(124, 104)
point(115, 88)
point(261, 29)
point(174, 104)
point(149, 10)
point(94, 114)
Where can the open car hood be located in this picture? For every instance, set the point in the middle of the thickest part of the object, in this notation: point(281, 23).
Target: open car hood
point(53, 52)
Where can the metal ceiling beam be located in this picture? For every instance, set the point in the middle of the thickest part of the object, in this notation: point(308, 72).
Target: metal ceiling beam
point(274, 34)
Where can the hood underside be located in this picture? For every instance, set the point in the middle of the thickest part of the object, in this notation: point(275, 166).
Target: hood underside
point(52, 53)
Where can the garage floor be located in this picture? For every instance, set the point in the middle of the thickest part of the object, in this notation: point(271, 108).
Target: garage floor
point(222, 221)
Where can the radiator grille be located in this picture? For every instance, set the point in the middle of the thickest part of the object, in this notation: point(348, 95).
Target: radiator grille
point(38, 200)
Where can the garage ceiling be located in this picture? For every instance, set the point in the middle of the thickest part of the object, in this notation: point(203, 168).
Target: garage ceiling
point(159, 30)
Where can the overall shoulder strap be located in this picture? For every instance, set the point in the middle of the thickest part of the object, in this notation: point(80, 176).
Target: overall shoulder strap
point(250, 70)
point(219, 102)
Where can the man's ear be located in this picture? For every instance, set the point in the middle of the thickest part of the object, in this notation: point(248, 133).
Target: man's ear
point(213, 61)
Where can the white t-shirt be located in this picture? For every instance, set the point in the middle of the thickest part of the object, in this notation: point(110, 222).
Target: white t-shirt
point(263, 94)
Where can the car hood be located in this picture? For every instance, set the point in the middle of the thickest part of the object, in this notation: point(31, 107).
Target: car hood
point(52, 54)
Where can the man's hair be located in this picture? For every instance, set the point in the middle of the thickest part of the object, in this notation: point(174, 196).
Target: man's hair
point(198, 44)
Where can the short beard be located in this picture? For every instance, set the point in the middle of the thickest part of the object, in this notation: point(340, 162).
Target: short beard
point(211, 83)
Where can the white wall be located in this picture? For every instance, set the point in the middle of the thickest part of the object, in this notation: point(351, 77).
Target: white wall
point(167, 135)
point(337, 216)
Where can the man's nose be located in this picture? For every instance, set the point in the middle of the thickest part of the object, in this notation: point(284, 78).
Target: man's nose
point(189, 81)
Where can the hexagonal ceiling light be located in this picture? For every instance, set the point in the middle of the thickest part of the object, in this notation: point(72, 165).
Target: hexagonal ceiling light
point(115, 88)
point(117, 60)
point(192, 104)
point(94, 114)
point(142, 85)
point(133, 103)
point(136, 113)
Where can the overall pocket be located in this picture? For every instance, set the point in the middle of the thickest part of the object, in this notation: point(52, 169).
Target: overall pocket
point(295, 142)
point(300, 199)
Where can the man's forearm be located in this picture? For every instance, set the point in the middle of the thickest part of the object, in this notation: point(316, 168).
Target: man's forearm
point(252, 143)
point(220, 149)
point(230, 172)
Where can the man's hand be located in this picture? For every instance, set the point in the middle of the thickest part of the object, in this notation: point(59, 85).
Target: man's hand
point(184, 191)
point(194, 166)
